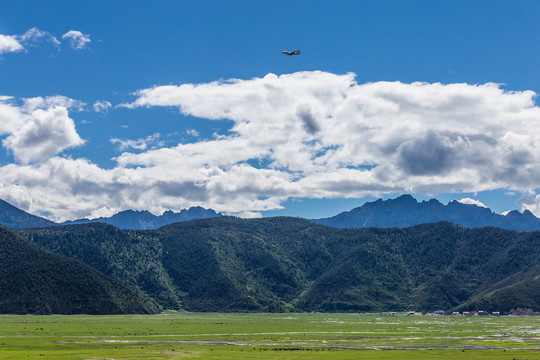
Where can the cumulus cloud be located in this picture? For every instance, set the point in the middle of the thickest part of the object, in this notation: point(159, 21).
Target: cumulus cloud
point(429, 154)
point(39, 128)
point(469, 201)
point(39, 102)
point(306, 134)
point(9, 44)
point(101, 106)
point(77, 39)
point(193, 132)
point(249, 215)
point(341, 139)
point(139, 144)
point(34, 36)
point(308, 120)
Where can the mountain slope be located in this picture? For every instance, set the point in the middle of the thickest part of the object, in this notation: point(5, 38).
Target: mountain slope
point(522, 294)
point(15, 218)
point(33, 280)
point(405, 211)
point(233, 264)
point(131, 257)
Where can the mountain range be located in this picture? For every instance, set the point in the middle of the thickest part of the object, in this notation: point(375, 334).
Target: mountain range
point(405, 211)
point(400, 212)
point(14, 218)
point(144, 220)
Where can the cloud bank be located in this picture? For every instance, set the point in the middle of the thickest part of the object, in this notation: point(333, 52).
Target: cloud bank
point(306, 134)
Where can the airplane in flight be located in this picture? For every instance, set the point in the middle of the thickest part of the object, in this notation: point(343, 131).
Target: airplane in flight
point(297, 52)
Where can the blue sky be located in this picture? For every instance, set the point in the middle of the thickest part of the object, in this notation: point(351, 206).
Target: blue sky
point(163, 105)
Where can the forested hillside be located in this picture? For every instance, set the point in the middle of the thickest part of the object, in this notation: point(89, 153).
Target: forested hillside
point(290, 263)
point(133, 258)
point(282, 264)
point(36, 281)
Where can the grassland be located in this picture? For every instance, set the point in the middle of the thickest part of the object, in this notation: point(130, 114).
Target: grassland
point(268, 336)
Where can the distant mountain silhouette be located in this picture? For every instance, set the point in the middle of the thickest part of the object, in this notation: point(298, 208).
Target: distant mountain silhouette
point(400, 212)
point(15, 218)
point(405, 211)
point(144, 220)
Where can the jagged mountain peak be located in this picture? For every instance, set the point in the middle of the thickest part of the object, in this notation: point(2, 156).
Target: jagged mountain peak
point(405, 211)
point(145, 220)
point(407, 198)
point(15, 218)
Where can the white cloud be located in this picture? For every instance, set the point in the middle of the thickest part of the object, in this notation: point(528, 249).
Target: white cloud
point(34, 36)
point(9, 44)
point(530, 201)
point(139, 144)
point(469, 201)
point(338, 138)
point(77, 39)
point(32, 104)
point(38, 129)
point(101, 106)
point(249, 215)
point(307, 134)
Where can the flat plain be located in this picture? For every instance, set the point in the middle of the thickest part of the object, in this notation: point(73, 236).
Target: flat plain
point(268, 336)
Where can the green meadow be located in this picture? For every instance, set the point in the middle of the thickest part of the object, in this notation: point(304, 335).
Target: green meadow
point(268, 336)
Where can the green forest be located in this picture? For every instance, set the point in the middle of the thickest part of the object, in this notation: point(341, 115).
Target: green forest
point(36, 281)
point(291, 264)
